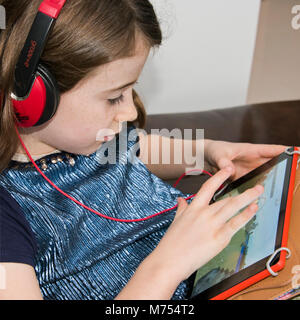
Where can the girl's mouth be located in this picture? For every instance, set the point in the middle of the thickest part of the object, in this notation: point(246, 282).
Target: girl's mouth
point(109, 138)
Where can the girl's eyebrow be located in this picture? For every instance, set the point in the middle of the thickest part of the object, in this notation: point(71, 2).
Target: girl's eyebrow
point(122, 87)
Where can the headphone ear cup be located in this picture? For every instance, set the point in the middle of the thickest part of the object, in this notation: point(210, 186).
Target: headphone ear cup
point(52, 95)
point(42, 101)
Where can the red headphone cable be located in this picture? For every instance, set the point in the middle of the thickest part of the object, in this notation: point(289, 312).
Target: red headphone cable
point(96, 212)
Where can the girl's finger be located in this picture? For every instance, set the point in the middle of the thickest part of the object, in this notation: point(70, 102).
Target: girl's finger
point(239, 202)
point(239, 221)
point(182, 205)
point(270, 150)
point(216, 206)
point(209, 187)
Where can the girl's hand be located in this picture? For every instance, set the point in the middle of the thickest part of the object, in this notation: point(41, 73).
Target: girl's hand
point(200, 231)
point(242, 157)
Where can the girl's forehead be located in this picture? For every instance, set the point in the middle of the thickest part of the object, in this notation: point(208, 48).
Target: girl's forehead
point(119, 72)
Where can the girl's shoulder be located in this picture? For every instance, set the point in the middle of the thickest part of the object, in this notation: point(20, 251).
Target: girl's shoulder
point(18, 243)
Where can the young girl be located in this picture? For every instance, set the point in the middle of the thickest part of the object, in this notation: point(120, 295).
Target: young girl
point(52, 247)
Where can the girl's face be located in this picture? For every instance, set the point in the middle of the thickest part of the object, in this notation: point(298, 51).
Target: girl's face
point(95, 108)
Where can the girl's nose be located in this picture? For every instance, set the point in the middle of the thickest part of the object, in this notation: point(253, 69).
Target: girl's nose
point(127, 113)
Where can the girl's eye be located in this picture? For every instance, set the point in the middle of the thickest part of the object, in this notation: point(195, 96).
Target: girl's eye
point(116, 101)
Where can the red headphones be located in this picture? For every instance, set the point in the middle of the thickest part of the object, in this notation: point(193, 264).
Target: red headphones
point(36, 94)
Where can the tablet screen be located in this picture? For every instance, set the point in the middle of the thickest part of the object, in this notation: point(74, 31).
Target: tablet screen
point(256, 240)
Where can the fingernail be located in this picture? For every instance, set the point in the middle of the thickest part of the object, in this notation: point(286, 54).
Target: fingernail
point(259, 188)
point(253, 207)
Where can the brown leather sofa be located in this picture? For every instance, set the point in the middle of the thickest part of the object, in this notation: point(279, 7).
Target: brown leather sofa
point(266, 123)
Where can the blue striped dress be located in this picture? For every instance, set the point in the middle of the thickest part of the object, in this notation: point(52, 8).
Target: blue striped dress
point(83, 256)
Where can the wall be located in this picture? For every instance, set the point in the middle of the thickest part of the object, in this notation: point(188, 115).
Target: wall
point(275, 73)
point(206, 58)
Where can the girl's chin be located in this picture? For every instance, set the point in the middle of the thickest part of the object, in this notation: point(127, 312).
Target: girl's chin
point(99, 144)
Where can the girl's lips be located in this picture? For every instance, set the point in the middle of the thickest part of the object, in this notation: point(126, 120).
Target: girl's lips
point(105, 134)
point(109, 138)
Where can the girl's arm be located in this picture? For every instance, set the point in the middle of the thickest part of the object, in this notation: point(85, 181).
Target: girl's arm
point(151, 281)
point(169, 158)
point(18, 282)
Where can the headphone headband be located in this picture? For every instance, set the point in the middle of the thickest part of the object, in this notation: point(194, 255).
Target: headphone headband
point(52, 8)
point(28, 62)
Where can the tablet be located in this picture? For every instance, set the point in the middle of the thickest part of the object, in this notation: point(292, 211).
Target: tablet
point(243, 262)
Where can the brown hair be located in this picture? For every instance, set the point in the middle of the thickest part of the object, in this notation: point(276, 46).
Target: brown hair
point(87, 34)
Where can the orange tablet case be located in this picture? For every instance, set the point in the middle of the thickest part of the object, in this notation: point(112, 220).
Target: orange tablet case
point(281, 263)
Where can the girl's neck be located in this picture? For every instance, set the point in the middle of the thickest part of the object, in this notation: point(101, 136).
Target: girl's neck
point(21, 155)
point(36, 149)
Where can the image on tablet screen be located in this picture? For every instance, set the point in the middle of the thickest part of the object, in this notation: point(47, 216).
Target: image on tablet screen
point(256, 240)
